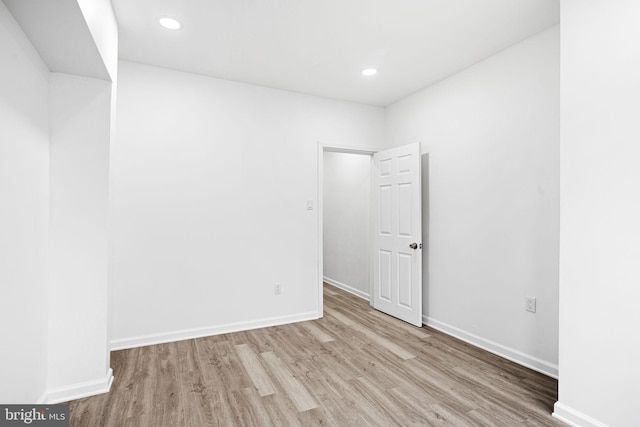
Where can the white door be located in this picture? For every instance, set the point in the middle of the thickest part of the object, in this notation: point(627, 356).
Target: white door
point(397, 233)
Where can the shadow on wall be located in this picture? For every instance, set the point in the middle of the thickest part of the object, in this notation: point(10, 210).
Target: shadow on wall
point(425, 235)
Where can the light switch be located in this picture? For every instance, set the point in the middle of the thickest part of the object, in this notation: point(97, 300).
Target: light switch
point(309, 205)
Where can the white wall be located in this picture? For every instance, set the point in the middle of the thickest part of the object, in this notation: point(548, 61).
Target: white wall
point(492, 137)
point(600, 207)
point(54, 160)
point(211, 180)
point(346, 221)
point(24, 201)
point(102, 24)
point(78, 246)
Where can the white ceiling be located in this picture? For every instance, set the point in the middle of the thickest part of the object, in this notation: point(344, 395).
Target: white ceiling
point(319, 47)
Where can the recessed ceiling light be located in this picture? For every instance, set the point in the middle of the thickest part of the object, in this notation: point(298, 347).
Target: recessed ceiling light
point(368, 72)
point(170, 23)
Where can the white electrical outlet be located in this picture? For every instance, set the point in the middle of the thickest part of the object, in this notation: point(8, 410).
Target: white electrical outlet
point(277, 289)
point(531, 304)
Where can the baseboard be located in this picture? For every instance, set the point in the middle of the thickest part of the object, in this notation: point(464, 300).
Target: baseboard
point(42, 399)
point(516, 356)
point(574, 418)
point(187, 334)
point(347, 288)
point(78, 391)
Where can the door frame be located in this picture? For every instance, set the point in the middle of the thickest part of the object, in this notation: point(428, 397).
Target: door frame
point(331, 148)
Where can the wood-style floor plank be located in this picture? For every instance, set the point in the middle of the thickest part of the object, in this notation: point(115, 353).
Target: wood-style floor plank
point(317, 332)
point(299, 395)
point(353, 367)
point(257, 373)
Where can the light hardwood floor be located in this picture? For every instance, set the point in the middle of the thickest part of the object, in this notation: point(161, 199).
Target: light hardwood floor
point(354, 367)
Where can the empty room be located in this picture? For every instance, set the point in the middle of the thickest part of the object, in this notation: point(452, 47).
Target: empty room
point(269, 213)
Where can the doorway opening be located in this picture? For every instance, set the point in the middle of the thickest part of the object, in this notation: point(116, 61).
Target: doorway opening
point(393, 256)
point(344, 220)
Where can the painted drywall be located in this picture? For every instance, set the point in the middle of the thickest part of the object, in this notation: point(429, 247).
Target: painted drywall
point(54, 162)
point(79, 171)
point(600, 206)
point(210, 186)
point(24, 214)
point(101, 20)
point(346, 221)
point(64, 39)
point(492, 137)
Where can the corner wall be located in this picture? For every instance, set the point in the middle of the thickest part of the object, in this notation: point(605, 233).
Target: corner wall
point(78, 241)
point(211, 181)
point(492, 137)
point(600, 207)
point(54, 165)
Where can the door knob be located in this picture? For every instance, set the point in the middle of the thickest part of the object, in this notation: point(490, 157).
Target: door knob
point(414, 245)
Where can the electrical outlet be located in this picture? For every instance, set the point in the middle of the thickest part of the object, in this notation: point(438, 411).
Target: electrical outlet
point(277, 289)
point(531, 304)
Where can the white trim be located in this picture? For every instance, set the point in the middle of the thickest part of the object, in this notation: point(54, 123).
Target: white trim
point(80, 390)
point(511, 354)
point(42, 399)
point(347, 288)
point(348, 150)
point(188, 334)
point(341, 148)
point(574, 418)
point(320, 207)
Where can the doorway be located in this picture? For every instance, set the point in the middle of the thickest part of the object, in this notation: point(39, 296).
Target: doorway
point(393, 245)
point(343, 171)
point(346, 222)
